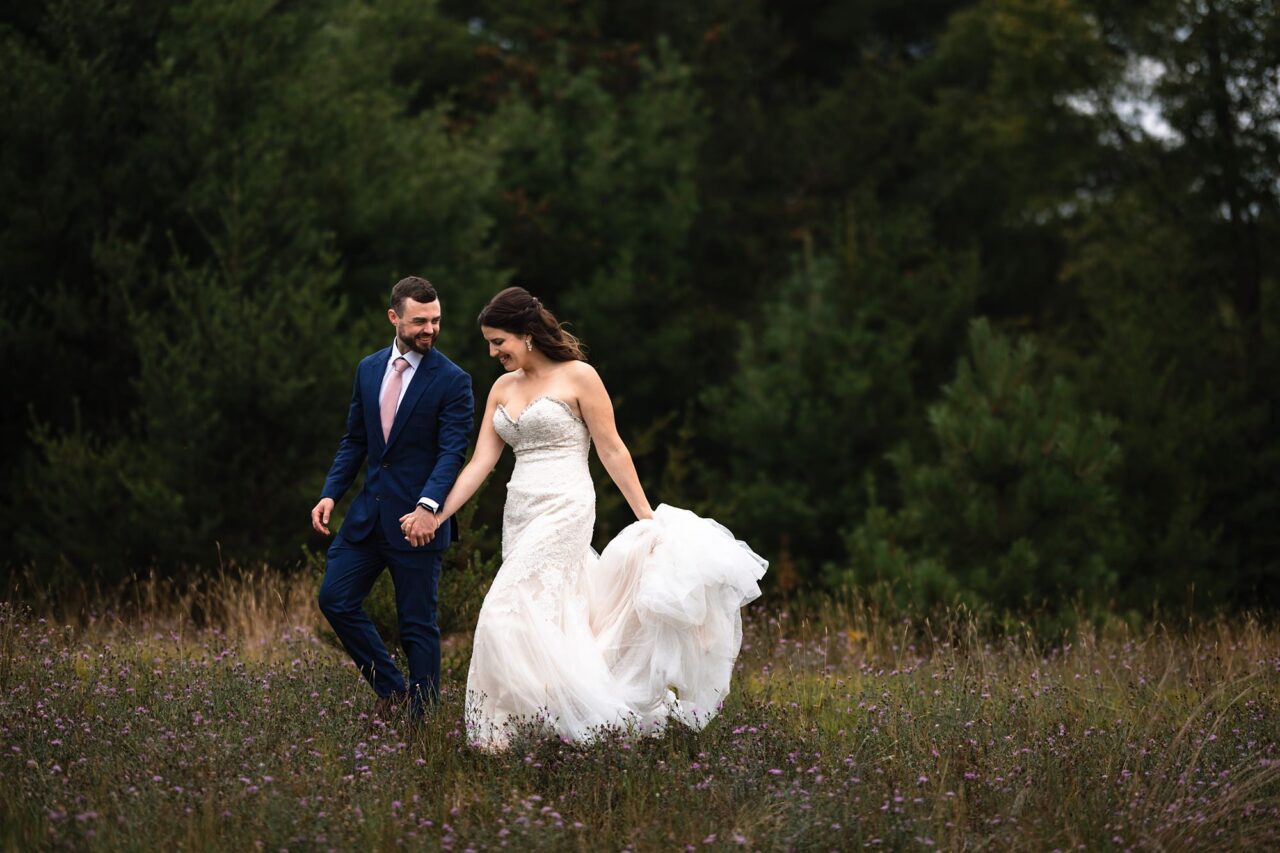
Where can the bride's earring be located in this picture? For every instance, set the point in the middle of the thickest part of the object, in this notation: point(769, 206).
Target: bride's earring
point(528, 344)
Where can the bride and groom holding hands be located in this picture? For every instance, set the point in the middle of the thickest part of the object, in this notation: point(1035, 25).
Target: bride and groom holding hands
point(567, 640)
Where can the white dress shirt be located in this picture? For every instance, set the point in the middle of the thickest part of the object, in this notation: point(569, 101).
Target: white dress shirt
point(414, 358)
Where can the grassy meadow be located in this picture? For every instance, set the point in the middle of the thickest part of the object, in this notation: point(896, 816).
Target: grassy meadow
point(136, 729)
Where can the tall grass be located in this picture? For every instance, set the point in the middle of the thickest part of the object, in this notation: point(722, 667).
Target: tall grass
point(218, 716)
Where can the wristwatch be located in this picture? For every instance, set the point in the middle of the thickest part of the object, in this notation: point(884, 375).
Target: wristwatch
point(427, 507)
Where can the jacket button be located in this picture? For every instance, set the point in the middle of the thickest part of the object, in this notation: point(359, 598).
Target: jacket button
point(377, 498)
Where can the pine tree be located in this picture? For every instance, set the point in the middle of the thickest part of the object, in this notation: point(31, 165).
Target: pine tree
point(1013, 506)
point(827, 379)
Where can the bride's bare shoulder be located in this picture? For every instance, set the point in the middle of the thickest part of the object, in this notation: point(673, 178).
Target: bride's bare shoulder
point(586, 382)
point(501, 387)
point(580, 370)
point(582, 375)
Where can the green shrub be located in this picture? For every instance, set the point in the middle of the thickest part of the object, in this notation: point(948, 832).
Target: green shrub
point(1013, 505)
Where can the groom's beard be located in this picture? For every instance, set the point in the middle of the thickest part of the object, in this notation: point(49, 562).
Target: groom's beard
point(419, 343)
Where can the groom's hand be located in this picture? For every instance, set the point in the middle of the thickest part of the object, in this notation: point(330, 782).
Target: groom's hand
point(320, 515)
point(419, 526)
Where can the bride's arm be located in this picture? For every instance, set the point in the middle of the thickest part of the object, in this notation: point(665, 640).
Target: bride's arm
point(473, 474)
point(597, 412)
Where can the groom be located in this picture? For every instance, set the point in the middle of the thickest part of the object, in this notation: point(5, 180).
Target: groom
point(410, 416)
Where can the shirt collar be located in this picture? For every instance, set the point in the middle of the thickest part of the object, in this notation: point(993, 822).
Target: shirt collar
point(412, 356)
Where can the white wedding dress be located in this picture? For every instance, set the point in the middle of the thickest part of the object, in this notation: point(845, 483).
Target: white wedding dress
point(574, 643)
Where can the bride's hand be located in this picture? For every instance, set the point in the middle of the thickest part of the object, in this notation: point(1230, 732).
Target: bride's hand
point(419, 526)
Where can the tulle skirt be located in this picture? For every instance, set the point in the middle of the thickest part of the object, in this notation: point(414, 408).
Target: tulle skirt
point(644, 633)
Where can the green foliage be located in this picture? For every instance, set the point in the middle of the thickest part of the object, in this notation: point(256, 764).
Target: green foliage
point(219, 392)
point(1160, 358)
point(272, 155)
point(771, 224)
point(825, 381)
point(805, 401)
point(102, 503)
point(1014, 507)
point(1176, 335)
point(600, 202)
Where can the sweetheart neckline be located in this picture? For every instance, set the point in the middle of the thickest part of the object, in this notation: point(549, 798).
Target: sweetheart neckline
point(515, 422)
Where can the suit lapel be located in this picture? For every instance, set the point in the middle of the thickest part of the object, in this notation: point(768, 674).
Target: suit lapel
point(372, 384)
point(423, 375)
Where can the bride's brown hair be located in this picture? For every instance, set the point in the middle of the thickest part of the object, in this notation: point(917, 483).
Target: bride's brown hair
point(517, 311)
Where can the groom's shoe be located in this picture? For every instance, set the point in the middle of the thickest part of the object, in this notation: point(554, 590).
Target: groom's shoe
point(387, 708)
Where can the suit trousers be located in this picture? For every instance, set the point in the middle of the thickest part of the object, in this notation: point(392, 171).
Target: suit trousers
point(350, 572)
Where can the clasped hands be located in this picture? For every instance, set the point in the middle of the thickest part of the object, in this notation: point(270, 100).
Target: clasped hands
point(419, 526)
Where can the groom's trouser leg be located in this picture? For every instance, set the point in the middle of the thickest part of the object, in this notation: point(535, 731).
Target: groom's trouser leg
point(349, 574)
point(416, 575)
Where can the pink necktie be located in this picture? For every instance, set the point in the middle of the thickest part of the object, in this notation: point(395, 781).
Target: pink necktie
point(391, 396)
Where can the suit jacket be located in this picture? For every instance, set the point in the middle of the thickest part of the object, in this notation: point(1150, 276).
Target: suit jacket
point(421, 457)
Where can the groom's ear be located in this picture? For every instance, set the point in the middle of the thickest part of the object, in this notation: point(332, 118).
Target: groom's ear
point(392, 316)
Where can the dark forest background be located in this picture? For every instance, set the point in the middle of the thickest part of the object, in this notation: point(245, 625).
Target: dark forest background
point(956, 302)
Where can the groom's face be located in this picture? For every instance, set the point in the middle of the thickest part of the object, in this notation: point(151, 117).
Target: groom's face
point(417, 326)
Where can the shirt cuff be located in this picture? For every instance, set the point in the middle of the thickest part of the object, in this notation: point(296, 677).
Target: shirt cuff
point(429, 504)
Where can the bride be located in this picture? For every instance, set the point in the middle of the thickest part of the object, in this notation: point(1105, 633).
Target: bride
point(568, 640)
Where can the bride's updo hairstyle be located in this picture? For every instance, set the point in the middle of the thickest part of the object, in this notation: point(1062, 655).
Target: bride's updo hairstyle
point(517, 311)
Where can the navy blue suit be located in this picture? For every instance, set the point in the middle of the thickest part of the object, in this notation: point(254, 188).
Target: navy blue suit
point(420, 459)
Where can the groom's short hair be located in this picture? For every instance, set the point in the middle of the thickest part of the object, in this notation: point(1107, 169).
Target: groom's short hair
point(413, 287)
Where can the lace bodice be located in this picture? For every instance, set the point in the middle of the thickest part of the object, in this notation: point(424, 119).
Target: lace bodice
point(551, 446)
point(546, 428)
point(550, 510)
